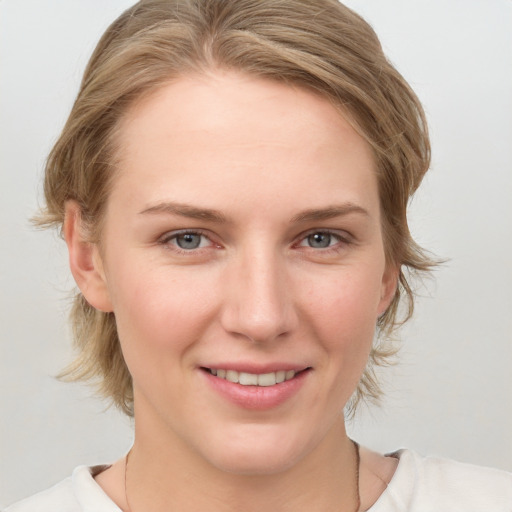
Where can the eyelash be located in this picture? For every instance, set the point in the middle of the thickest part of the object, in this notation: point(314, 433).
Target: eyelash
point(342, 241)
point(168, 238)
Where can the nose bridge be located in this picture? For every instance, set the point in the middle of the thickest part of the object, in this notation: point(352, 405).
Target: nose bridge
point(259, 306)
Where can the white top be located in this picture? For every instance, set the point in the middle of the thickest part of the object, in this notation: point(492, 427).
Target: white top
point(420, 484)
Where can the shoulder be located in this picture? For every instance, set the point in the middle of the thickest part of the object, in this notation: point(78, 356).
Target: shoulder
point(457, 480)
point(59, 497)
point(77, 493)
point(427, 484)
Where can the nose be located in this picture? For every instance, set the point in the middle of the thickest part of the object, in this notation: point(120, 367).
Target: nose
point(258, 304)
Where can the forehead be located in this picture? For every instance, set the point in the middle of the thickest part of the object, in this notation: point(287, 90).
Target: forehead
point(220, 99)
point(255, 134)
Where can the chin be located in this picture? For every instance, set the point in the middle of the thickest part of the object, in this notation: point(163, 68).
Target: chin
point(257, 453)
point(255, 464)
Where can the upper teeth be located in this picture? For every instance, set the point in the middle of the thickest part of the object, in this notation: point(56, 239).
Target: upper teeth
point(254, 379)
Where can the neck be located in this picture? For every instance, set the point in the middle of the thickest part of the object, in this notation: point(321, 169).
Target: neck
point(163, 476)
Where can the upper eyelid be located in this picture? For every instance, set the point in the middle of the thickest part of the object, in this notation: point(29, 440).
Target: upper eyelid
point(169, 235)
point(340, 233)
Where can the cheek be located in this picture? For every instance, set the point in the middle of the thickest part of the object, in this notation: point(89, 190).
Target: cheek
point(158, 312)
point(344, 312)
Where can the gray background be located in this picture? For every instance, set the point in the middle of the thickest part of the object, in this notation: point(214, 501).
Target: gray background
point(451, 394)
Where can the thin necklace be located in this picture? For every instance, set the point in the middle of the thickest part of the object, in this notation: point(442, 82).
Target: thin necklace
point(358, 463)
point(128, 508)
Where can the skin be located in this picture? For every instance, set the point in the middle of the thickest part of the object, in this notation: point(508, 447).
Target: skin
point(281, 169)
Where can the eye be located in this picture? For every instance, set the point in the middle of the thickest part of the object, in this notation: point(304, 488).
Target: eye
point(186, 240)
point(189, 240)
point(320, 240)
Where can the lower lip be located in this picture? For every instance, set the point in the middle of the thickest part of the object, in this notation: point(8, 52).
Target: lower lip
point(258, 398)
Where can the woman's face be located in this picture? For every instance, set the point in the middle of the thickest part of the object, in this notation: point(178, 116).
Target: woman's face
point(243, 241)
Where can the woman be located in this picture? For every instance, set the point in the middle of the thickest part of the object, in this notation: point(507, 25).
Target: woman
point(232, 186)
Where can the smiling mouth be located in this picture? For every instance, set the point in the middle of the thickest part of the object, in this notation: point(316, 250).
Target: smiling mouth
point(254, 379)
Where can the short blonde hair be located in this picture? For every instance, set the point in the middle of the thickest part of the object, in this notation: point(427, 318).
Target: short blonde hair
point(320, 45)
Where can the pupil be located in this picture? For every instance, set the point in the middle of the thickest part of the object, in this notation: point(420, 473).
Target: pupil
point(188, 241)
point(319, 240)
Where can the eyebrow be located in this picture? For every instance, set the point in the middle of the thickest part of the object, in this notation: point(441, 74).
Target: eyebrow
point(330, 212)
point(185, 210)
point(207, 214)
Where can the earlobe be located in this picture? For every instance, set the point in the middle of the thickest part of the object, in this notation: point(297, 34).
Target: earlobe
point(85, 261)
point(388, 289)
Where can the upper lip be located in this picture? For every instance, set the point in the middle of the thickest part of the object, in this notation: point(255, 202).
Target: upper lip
point(256, 368)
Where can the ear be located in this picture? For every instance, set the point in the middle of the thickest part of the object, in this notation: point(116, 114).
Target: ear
point(85, 261)
point(388, 287)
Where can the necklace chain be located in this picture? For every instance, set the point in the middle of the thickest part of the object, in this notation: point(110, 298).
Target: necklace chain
point(358, 463)
point(128, 508)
